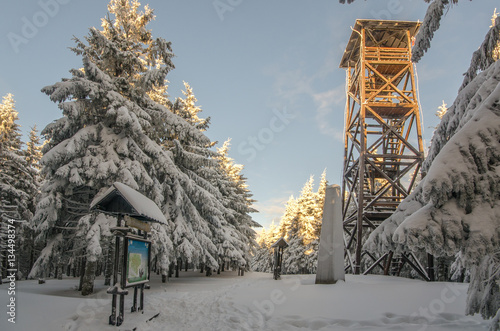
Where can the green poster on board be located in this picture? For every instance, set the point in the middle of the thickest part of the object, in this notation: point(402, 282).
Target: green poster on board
point(137, 265)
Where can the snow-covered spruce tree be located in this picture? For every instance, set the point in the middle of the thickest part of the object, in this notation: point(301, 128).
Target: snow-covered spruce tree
point(17, 177)
point(207, 217)
point(304, 229)
point(456, 207)
point(238, 200)
point(190, 196)
point(263, 260)
point(285, 224)
point(430, 25)
point(34, 149)
point(301, 232)
point(189, 110)
point(314, 232)
point(300, 225)
point(205, 228)
point(27, 249)
point(217, 173)
point(17, 181)
point(105, 135)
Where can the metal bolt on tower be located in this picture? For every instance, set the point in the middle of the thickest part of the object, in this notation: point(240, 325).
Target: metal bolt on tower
point(383, 135)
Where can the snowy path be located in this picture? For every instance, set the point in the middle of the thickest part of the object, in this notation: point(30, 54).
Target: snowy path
point(253, 302)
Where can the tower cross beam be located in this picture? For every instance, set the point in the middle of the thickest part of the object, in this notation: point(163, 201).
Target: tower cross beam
point(389, 81)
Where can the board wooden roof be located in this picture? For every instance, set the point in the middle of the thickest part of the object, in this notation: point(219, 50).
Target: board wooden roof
point(122, 199)
point(387, 34)
point(281, 242)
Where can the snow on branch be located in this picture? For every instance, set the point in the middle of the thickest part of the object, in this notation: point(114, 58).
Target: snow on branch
point(430, 25)
point(456, 205)
point(483, 57)
point(461, 187)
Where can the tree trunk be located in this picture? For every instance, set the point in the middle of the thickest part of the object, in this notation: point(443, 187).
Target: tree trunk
point(98, 269)
point(177, 268)
point(81, 270)
point(171, 269)
point(59, 270)
point(202, 267)
point(32, 256)
point(88, 278)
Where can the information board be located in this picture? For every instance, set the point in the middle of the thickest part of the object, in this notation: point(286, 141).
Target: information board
point(137, 252)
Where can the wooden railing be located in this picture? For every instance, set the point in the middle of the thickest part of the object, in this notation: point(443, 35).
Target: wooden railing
point(386, 54)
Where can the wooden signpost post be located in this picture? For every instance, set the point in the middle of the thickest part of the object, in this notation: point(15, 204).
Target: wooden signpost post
point(278, 246)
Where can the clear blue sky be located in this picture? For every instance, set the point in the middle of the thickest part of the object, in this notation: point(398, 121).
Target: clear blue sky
point(266, 72)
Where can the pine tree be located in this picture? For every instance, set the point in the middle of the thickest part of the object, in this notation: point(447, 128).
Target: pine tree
point(238, 200)
point(27, 248)
point(34, 149)
point(442, 111)
point(300, 226)
point(106, 134)
point(316, 222)
point(263, 259)
point(453, 211)
point(200, 218)
point(118, 124)
point(191, 110)
point(301, 233)
point(17, 181)
point(290, 213)
point(207, 217)
point(495, 54)
point(217, 174)
point(260, 261)
point(304, 228)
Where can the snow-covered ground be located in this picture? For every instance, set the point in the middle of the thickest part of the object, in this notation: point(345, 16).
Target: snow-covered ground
point(252, 302)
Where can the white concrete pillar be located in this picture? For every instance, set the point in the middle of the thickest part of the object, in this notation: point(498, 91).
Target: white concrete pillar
point(331, 244)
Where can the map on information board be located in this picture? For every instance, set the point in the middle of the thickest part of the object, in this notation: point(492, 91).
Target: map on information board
point(137, 262)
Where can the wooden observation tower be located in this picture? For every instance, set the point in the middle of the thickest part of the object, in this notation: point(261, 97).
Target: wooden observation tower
point(383, 135)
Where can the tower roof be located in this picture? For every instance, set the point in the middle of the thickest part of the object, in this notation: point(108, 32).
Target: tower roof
point(381, 33)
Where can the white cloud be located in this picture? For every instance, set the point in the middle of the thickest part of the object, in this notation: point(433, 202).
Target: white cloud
point(292, 85)
point(270, 210)
point(289, 86)
point(327, 102)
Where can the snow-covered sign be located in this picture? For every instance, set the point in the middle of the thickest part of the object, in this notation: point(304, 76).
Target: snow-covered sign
point(122, 199)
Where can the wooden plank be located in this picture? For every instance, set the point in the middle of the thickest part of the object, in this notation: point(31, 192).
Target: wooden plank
point(135, 223)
